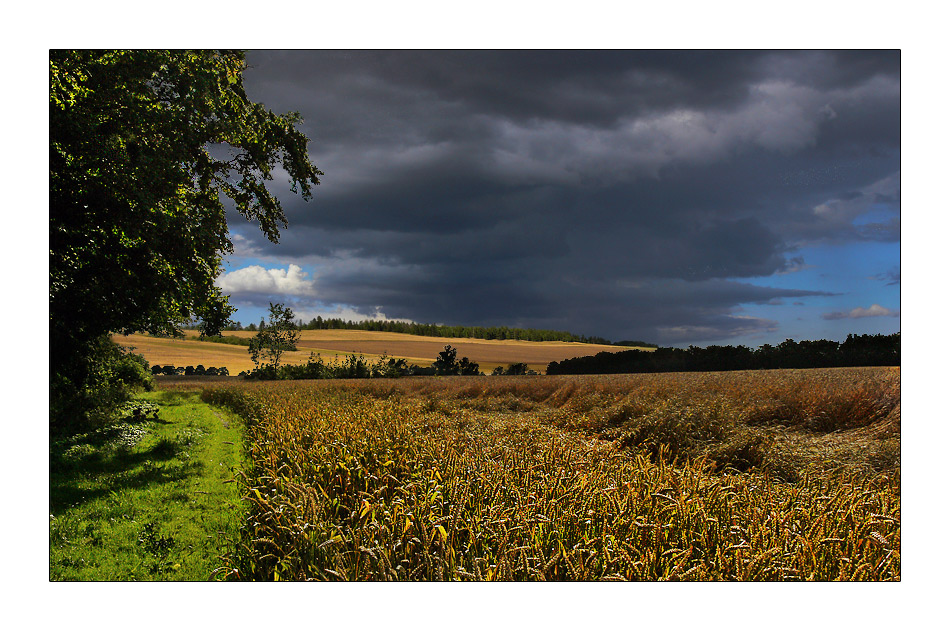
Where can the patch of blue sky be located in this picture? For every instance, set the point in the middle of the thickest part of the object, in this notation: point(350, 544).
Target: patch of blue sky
point(856, 275)
point(851, 270)
point(879, 213)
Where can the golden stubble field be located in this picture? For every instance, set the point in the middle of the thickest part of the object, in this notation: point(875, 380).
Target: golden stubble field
point(372, 344)
point(752, 475)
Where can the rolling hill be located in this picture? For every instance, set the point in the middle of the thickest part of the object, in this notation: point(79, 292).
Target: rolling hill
point(372, 344)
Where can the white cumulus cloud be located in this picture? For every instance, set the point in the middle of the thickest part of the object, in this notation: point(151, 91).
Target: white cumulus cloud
point(874, 310)
point(255, 279)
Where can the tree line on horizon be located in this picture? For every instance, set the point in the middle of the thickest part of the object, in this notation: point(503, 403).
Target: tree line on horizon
point(856, 350)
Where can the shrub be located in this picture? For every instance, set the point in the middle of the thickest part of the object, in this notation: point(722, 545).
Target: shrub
point(132, 370)
point(352, 367)
point(112, 375)
point(192, 371)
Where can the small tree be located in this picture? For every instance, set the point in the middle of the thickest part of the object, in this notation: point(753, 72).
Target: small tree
point(517, 369)
point(513, 369)
point(446, 363)
point(467, 367)
point(278, 335)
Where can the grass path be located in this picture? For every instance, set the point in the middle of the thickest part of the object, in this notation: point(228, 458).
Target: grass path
point(147, 499)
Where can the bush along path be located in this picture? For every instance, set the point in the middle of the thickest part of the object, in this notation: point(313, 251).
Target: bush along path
point(149, 498)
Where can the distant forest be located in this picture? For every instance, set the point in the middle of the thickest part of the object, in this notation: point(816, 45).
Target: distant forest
point(442, 330)
point(857, 350)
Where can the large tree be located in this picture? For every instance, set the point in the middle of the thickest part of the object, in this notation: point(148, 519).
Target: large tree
point(146, 147)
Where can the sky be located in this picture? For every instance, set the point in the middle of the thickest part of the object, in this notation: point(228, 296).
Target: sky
point(674, 197)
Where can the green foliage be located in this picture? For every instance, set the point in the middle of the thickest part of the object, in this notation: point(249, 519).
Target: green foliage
point(227, 339)
point(113, 375)
point(214, 321)
point(857, 350)
point(145, 147)
point(210, 371)
point(639, 343)
point(131, 369)
point(278, 335)
point(351, 367)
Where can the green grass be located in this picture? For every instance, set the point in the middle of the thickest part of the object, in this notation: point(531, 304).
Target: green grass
point(146, 499)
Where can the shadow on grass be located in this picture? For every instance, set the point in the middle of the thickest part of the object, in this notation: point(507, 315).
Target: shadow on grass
point(77, 480)
point(66, 492)
point(171, 398)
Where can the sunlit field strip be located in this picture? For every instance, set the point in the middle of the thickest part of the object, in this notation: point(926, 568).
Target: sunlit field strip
point(331, 343)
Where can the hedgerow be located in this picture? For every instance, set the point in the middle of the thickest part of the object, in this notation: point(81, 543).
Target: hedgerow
point(197, 371)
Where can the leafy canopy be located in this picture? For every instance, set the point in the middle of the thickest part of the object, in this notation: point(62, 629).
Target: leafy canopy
point(146, 147)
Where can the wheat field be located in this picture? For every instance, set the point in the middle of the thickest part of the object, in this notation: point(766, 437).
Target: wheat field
point(764, 476)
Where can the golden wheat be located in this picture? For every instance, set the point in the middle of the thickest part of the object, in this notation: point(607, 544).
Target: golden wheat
point(727, 476)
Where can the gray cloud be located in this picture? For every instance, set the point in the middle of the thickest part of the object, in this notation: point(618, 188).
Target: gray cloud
point(607, 192)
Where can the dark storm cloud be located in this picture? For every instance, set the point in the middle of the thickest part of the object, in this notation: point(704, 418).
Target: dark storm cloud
point(671, 311)
point(591, 87)
point(608, 192)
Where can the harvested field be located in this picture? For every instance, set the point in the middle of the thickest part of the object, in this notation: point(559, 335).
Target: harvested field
point(176, 352)
point(372, 344)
